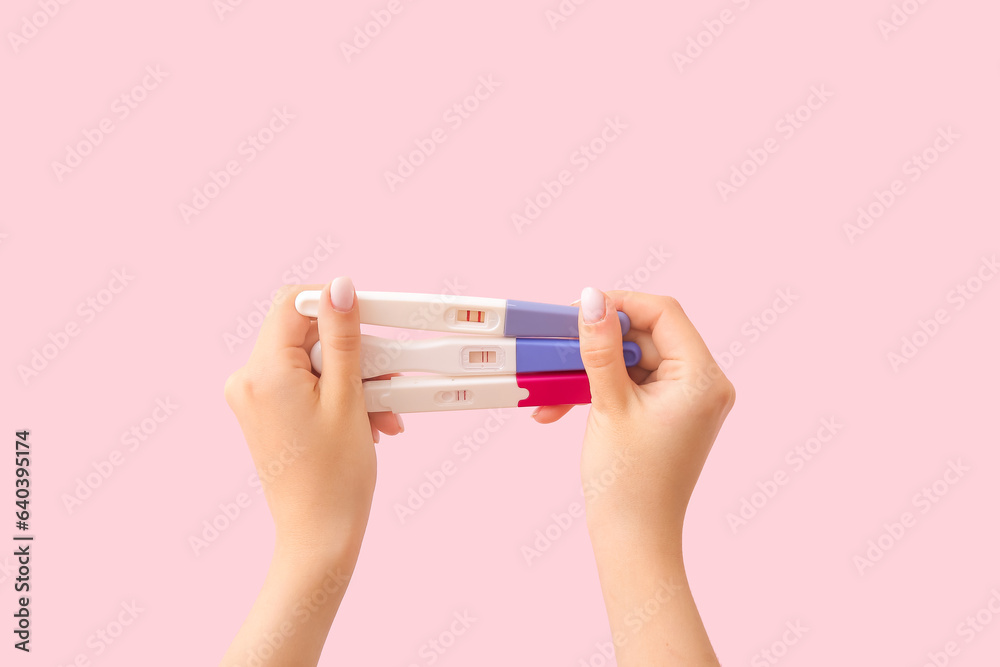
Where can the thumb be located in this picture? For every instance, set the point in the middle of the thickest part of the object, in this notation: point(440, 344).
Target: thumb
point(340, 337)
point(601, 350)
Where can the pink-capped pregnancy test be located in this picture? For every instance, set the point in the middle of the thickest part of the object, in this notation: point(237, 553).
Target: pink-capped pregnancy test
point(432, 393)
point(461, 314)
point(468, 355)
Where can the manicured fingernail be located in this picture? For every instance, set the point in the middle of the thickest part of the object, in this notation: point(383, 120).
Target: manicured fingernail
point(592, 304)
point(535, 413)
point(342, 294)
point(378, 436)
point(399, 420)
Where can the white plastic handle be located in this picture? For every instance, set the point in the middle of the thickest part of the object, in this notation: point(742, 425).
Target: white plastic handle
point(448, 355)
point(429, 393)
point(430, 312)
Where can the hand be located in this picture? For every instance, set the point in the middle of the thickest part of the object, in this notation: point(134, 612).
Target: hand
point(310, 437)
point(313, 445)
point(651, 426)
point(648, 435)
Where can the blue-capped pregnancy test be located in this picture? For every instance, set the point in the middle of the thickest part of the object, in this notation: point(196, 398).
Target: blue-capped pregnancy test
point(463, 355)
point(461, 314)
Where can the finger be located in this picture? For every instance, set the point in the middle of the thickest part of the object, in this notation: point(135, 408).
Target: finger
point(601, 350)
point(387, 422)
point(340, 338)
point(672, 332)
point(550, 413)
point(312, 337)
point(650, 359)
point(283, 327)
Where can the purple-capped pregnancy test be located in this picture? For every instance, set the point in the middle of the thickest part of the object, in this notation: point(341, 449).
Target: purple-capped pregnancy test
point(461, 314)
point(467, 355)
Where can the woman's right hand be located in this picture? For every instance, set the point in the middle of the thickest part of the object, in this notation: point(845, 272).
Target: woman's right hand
point(648, 435)
point(650, 427)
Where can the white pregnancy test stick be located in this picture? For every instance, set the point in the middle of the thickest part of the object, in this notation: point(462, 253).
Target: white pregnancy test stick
point(474, 355)
point(448, 355)
point(433, 312)
point(460, 314)
point(428, 393)
point(433, 393)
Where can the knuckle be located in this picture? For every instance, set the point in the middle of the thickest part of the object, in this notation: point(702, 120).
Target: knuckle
point(711, 393)
point(284, 295)
point(597, 357)
point(247, 386)
point(286, 292)
point(731, 395)
point(344, 343)
point(233, 389)
point(670, 303)
point(722, 394)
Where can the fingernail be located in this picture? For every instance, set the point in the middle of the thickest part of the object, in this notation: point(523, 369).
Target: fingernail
point(342, 294)
point(535, 413)
point(399, 420)
point(592, 304)
point(378, 436)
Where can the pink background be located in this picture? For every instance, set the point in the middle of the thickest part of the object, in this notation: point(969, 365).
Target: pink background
point(164, 335)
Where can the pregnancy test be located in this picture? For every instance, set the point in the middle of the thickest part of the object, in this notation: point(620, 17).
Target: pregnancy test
point(458, 355)
point(461, 314)
point(431, 393)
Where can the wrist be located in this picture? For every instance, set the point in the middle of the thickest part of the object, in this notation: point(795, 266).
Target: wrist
point(617, 532)
point(312, 547)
